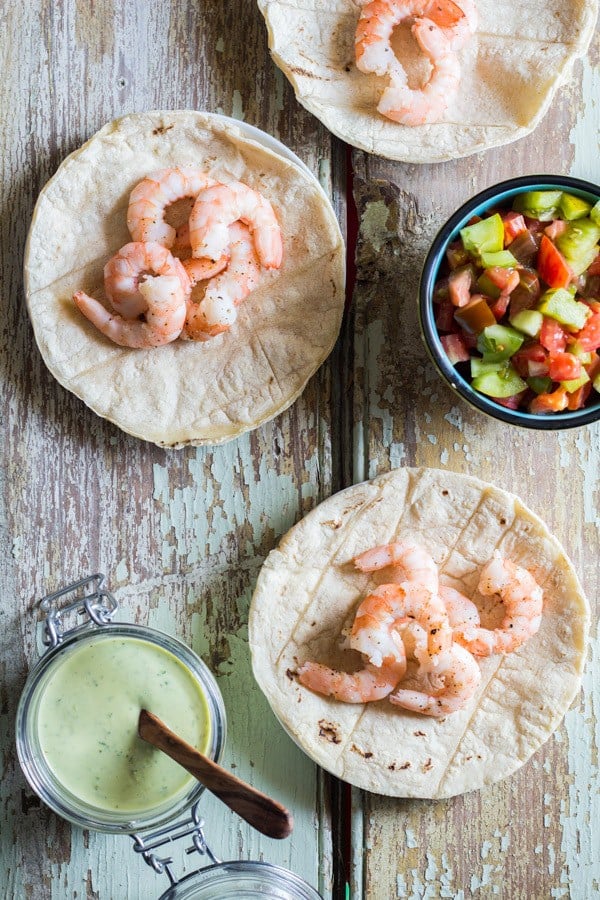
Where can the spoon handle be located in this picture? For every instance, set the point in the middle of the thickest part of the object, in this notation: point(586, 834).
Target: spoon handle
point(260, 811)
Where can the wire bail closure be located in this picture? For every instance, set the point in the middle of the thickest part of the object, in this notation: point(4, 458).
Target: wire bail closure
point(170, 834)
point(91, 599)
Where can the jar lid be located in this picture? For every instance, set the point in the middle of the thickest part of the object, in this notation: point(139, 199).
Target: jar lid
point(245, 880)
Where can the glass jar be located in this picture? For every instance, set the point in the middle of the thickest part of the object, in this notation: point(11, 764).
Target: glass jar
point(161, 824)
point(99, 606)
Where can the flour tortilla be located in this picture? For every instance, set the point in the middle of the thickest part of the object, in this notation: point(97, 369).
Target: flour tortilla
point(185, 392)
point(520, 55)
point(308, 591)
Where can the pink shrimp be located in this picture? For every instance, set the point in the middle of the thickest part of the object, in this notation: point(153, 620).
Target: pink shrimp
point(150, 198)
point(164, 315)
point(427, 104)
point(217, 310)
point(462, 612)
point(128, 268)
point(523, 602)
point(447, 688)
point(376, 24)
point(408, 560)
point(218, 207)
point(391, 606)
point(362, 686)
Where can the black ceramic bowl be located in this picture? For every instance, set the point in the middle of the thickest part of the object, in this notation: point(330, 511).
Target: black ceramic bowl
point(494, 196)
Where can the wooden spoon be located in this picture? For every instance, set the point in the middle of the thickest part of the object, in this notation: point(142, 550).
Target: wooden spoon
point(260, 811)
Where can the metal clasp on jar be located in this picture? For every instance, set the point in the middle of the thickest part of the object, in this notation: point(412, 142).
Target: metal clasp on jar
point(193, 826)
point(91, 598)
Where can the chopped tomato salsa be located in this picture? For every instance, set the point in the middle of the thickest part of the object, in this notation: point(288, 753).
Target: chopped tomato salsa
point(518, 303)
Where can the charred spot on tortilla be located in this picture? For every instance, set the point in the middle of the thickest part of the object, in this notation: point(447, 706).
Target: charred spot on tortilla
point(329, 731)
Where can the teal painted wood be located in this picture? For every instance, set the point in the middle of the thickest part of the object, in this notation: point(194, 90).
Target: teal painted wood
point(536, 834)
point(181, 535)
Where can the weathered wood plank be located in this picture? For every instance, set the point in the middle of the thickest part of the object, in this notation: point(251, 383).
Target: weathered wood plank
point(181, 535)
point(534, 834)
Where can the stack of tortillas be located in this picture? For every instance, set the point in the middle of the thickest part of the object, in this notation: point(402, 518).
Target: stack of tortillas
point(511, 68)
point(308, 592)
point(184, 392)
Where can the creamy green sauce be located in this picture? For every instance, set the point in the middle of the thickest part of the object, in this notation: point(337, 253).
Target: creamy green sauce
point(88, 716)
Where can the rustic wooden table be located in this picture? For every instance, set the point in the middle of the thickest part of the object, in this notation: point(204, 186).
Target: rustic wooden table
point(182, 534)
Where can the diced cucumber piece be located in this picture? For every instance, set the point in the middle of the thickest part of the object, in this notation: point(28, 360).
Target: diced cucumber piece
point(486, 286)
point(486, 236)
point(529, 321)
point(503, 383)
point(503, 259)
point(595, 213)
point(578, 244)
point(480, 367)
point(541, 384)
point(498, 343)
point(558, 304)
point(575, 383)
point(585, 356)
point(572, 207)
point(540, 205)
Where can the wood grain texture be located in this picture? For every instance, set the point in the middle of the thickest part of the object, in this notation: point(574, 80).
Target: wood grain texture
point(180, 535)
point(533, 835)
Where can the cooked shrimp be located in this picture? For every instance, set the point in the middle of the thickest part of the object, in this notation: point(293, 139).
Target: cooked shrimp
point(218, 207)
point(150, 198)
point(376, 24)
point(388, 608)
point(164, 314)
point(427, 104)
point(523, 601)
point(446, 688)
point(204, 269)
point(128, 268)
point(464, 29)
point(410, 561)
point(462, 612)
point(363, 686)
point(217, 310)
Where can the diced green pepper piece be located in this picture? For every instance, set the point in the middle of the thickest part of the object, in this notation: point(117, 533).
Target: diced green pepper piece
point(575, 383)
point(540, 205)
point(558, 304)
point(480, 367)
point(595, 213)
point(586, 356)
point(486, 236)
point(529, 321)
point(541, 384)
point(499, 342)
point(578, 244)
point(503, 383)
point(503, 259)
point(572, 207)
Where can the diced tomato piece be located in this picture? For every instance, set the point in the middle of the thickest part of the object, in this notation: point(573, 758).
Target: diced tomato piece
point(577, 399)
point(511, 402)
point(499, 306)
point(514, 224)
point(469, 340)
point(593, 368)
point(503, 278)
point(459, 286)
point(553, 336)
point(591, 287)
point(589, 336)
point(445, 316)
point(554, 402)
point(564, 366)
point(533, 353)
point(594, 269)
point(457, 255)
point(552, 267)
point(534, 225)
point(473, 220)
point(455, 347)
point(555, 228)
point(594, 305)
